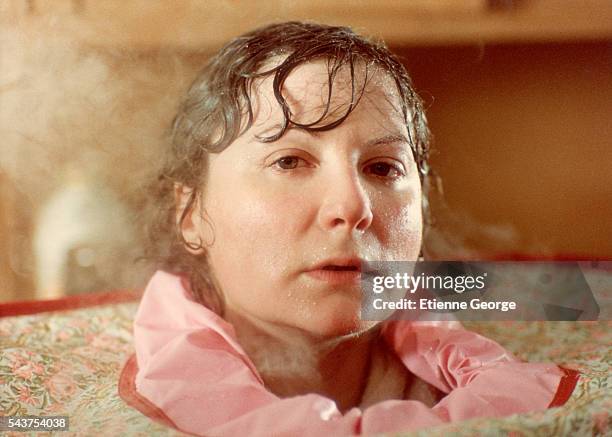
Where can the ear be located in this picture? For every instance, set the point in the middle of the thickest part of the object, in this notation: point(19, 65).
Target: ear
point(191, 225)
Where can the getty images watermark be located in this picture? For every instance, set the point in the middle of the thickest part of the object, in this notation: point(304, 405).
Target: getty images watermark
point(485, 291)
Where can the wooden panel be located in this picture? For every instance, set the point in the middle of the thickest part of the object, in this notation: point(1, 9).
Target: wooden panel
point(7, 277)
point(15, 282)
point(523, 144)
point(205, 25)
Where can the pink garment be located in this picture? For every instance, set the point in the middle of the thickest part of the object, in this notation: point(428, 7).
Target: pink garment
point(191, 366)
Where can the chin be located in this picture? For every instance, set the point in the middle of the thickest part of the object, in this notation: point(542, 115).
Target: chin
point(335, 326)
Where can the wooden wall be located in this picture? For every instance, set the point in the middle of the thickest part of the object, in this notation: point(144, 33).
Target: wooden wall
point(523, 142)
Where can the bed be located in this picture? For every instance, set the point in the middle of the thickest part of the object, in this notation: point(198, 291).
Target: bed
point(64, 357)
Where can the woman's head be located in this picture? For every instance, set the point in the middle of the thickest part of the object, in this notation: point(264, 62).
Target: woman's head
point(298, 151)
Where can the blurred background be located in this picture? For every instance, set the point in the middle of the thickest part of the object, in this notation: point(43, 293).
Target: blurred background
point(518, 94)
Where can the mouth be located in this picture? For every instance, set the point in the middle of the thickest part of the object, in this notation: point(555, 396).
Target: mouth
point(336, 268)
point(337, 271)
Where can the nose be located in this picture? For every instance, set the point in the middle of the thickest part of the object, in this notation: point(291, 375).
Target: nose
point(345, 204)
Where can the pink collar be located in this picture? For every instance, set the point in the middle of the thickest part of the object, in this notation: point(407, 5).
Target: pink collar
point(193, 369)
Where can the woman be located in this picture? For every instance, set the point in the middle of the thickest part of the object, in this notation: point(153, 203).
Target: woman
point(299, 153)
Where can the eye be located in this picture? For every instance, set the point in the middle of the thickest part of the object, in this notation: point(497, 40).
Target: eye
point(289, 162)
point(385, 169)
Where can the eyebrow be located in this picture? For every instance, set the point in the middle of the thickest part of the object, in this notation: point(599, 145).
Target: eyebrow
point(387, 139)
point(381, 141)
point(272, 130)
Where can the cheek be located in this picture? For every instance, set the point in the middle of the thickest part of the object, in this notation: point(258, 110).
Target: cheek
point(399, 225)
point(255, 231)
point(409, 229)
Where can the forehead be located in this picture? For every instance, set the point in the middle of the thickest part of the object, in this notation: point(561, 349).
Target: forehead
point(313, 91)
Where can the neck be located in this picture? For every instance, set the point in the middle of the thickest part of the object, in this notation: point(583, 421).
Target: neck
point(293, 362)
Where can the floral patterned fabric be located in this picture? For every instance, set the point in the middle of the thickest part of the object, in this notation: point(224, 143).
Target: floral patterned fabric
point(68, 363)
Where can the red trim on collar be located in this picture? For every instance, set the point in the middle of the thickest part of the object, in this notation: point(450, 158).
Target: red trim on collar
point(566, 387)
point(129, 394)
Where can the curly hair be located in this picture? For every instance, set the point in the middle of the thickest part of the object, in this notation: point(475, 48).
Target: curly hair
point(218, 108)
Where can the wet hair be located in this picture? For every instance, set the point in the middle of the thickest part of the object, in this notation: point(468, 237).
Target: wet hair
point(218, 108)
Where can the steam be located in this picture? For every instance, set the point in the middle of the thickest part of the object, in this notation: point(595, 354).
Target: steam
point(73, 116)
point(67, 109)
point(457, 235)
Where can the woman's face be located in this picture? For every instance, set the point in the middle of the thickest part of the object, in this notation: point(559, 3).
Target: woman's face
point(290, 221)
